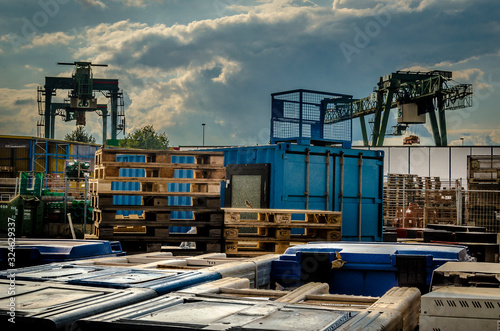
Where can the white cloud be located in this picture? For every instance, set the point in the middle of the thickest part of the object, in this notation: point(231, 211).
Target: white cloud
point(21, 103)
point(223, 70)
point(368, 7)
point(92, 3)
point(27, 66)
point(136, 3)
point(48, 39)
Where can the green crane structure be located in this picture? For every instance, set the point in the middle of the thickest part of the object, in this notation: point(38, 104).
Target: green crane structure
point(82, 86)
point(415, 94)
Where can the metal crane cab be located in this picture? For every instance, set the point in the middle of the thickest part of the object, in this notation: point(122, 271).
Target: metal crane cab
point(81, 99)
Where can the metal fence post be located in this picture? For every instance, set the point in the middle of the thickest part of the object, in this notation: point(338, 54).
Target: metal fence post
point(404, 200)
point(459, 202)
point(85, 206)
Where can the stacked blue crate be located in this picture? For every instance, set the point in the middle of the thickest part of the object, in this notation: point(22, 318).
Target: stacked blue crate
point(128, 186)
point(181, 187)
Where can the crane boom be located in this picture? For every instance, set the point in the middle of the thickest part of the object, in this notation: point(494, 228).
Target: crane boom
point(432, 92)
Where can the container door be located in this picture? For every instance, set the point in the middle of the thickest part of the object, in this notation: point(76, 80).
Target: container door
point(247, 184)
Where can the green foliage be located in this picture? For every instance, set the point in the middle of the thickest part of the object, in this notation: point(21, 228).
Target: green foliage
point(79, 134)
point(145, 138)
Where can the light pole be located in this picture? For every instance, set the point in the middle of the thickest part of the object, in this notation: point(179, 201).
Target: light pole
point(203, 126)
point(462, 138)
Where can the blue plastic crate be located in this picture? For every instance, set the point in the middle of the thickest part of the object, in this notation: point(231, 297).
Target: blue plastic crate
point(114, 277)
point(181, 187)
point(162, 282)
point(31, 252)
point(128, 186)
point(369, 269)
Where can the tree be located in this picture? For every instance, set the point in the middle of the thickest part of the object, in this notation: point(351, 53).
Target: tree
point(79, 134)
point(145, 138)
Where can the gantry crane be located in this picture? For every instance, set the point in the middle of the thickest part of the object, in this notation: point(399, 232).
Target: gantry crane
point(415, 94)
point(82, 86)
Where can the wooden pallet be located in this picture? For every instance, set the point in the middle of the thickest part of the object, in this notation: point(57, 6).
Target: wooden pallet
point(158, 170)
point(156, 186)
point(255, 248)
point(161, 234)
point(157, 203)
point(278, 233)
point(154, 224)
point(200, 219)
point(202, 157)
point(282, 216)
point(271, 229)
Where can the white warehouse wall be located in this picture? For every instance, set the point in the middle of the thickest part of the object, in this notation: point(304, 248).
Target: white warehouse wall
point(448, 163)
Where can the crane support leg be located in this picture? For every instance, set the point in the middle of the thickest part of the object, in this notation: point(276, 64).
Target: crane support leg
point(385, 118)
point(435, 128)
point(363, 130)
point(114, 113)
point(442, 122)
point(52, 123)
point(378, 115)
point(104, 126)
point(47, 114)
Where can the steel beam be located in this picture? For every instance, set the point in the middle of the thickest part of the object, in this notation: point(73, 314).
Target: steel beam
point(363, 130)
point(104, 126)
point(48, 107)
point(378, 116)
point(442, 120)
point(114, 113)
point(435, 128)
point(385, 118)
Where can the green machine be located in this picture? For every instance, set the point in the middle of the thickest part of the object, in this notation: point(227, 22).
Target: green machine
point(26, 208)
point(82, 100)
point(416, 95)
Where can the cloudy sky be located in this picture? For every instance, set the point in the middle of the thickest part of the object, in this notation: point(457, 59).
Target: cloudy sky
point(182, 63)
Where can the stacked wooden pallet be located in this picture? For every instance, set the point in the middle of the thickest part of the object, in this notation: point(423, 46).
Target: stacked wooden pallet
point(274, 230)
point(435, 202)
point(483, 180)
point(440, 201)
point(400, 190)
point(152, 227)
point(483, 172)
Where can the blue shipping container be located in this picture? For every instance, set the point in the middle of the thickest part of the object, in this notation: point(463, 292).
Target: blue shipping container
point(314, 177)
